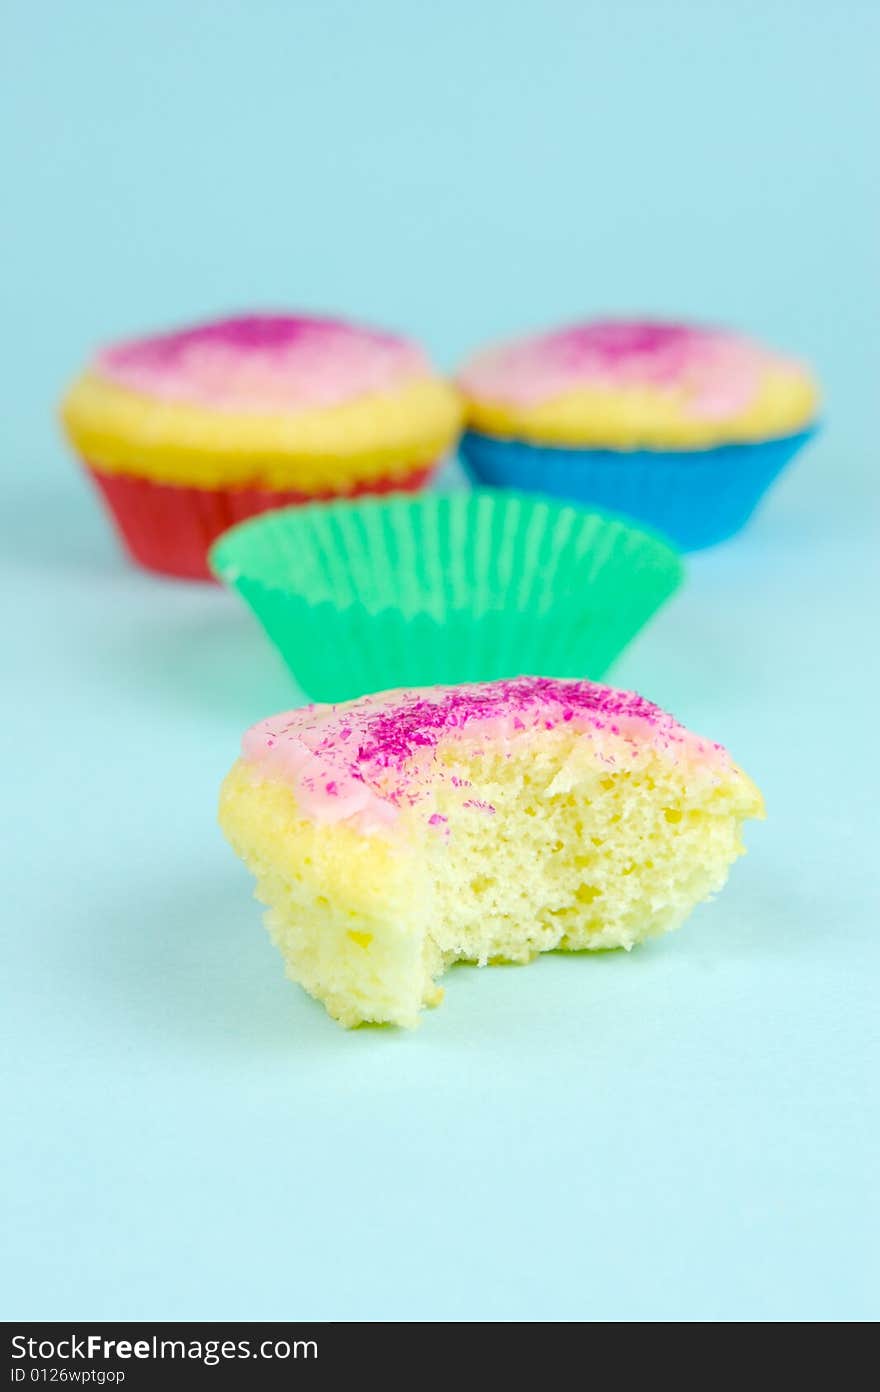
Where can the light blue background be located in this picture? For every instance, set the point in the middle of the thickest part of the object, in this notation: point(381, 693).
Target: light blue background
point(685, 1133)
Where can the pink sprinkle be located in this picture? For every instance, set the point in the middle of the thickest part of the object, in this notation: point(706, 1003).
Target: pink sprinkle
point(436, 820)
point(381, 749)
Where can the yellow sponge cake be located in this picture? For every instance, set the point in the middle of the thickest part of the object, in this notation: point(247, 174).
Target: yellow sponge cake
point(396, 834)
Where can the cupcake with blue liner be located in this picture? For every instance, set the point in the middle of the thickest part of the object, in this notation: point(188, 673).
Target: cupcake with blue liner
point(675, 425)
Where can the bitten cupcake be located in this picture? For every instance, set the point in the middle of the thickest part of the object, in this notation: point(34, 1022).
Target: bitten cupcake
point(394, 835)
point(678, 426)
point(188, 432)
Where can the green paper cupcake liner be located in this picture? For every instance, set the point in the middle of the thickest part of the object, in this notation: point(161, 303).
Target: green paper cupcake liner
point(445, 588)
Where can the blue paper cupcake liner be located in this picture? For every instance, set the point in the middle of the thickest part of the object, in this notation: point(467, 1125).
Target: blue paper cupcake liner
point(695, 497)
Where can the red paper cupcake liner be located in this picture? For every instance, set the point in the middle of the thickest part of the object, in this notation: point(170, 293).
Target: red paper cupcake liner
point(169, 529)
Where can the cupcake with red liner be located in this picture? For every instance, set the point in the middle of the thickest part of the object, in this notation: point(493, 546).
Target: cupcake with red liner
point(676, 425)
point(186, 433)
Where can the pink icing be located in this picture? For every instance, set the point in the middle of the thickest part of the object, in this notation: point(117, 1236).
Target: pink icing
point(717, 371)
point(365, 760)
point(263, 363)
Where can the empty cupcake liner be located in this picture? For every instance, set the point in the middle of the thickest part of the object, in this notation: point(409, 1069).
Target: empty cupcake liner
point(695, 497)
point(446, 588)
point(170, 528)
